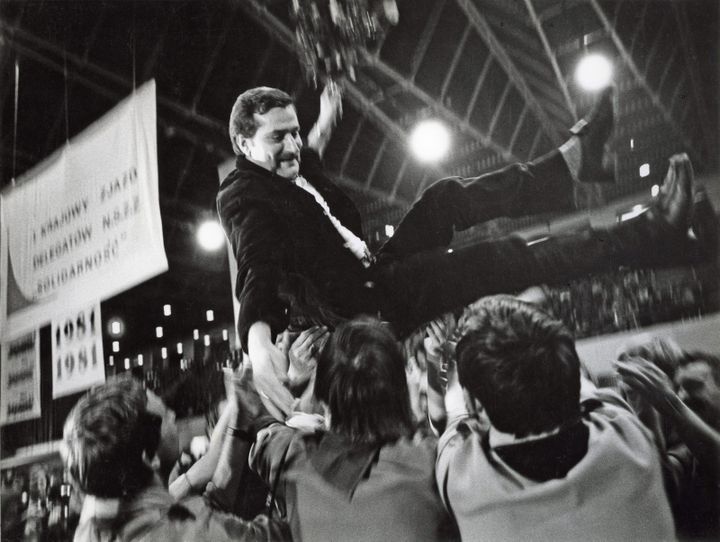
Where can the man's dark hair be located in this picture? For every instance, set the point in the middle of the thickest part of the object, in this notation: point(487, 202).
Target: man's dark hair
point(361, 377)
point(105, 436)
point(258, 100)
point(521, 365)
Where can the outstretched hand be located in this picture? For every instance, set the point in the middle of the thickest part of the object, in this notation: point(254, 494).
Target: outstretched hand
point(648, 381)
point(304, 351)
point(438, 332)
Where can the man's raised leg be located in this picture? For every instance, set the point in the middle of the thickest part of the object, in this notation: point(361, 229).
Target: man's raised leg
point(424, 285)
point(542, 186)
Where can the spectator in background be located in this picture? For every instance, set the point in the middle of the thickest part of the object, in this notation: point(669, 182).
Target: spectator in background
point(365, 477)
point(109, 439)
point(692, 464)
point(561, 459)
point(698, 384)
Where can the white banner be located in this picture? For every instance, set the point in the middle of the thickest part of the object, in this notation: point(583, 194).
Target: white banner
point(84, 224)
point(20, 379)
point(77, 351)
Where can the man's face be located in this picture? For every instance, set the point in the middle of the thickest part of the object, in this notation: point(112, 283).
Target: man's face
point(276, 144)
point(698, 390)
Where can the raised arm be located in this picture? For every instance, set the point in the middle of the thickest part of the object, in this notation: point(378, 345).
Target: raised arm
point(651, 383)
point(330, 111)
point(197, 477)
point(258, 241)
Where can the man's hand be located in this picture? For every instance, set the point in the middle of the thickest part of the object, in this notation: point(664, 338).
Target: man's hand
point(243, 394)
point(269, 366)
point(330, 105)
point(330, 112)
point(304, 351)
point(647, 380)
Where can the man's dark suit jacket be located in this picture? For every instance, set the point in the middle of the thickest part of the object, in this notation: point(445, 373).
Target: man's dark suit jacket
point(293, 267)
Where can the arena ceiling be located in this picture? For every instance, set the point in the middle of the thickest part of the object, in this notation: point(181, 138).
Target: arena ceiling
point(499, 72)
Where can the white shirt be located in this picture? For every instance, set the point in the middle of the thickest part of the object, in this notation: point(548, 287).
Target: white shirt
point(352, 242)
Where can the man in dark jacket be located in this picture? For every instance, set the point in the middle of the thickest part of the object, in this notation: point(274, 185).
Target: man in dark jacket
point(301, 259)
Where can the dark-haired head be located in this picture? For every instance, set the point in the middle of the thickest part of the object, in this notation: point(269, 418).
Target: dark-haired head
point(520, 364)
point(361, 378)
point(258, 100)
point(106, 438)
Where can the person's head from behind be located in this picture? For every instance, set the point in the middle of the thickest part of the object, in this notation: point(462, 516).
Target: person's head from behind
point(108, 438)
point(519, 364)
point(361, 379)
point(664, 352)
point(265, 128)
point(698, 385)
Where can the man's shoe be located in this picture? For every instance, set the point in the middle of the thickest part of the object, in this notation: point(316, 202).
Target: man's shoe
point(674, 203)
point(593, 132)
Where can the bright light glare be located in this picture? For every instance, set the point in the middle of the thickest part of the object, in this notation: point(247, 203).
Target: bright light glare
point(430, 140)
point(644, 170)
point(210, 235)
point(593, 72)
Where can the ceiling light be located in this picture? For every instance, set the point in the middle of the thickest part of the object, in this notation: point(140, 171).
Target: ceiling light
point(210, 235)
point(594, 72)
point(430, 140)
point(116, 327)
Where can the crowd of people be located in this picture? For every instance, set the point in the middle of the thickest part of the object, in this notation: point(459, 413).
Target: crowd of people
point(484, 426)
point(403, 395)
